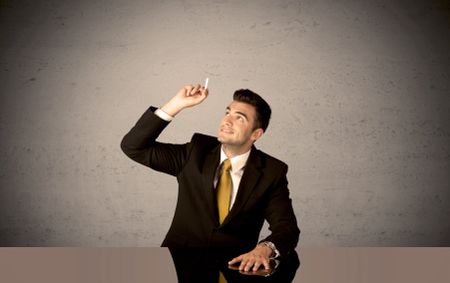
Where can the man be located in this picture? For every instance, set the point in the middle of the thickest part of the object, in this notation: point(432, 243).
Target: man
point(211, 210)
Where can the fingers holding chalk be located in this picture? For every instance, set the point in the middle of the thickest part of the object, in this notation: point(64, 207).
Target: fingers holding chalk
point(192, 90)
point(188, 90)
point(195, 89)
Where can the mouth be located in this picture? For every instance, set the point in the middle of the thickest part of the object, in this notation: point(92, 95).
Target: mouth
point(226, 130)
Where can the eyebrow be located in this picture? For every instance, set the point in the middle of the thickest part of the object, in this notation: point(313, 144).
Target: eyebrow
point(240, 113)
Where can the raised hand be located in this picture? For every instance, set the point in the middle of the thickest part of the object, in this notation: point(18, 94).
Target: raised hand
point(187, 96)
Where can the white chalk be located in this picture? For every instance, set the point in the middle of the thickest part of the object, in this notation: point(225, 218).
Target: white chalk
point(206, 83)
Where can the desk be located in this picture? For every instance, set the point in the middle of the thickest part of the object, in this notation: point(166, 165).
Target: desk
point(101, 265)
point(370, 265)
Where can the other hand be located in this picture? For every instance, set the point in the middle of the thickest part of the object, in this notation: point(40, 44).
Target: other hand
point(253, 260)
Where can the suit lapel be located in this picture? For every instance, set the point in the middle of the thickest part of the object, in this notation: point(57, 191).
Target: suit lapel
point(251, 176)
point(208, 172)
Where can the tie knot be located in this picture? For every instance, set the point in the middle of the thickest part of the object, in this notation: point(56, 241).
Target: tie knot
point(226, 165)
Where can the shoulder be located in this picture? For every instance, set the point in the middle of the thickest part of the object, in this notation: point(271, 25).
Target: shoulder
point(269, 162)
point(203, 142)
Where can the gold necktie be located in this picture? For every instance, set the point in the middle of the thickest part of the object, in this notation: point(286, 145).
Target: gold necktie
point(222, 278)
point(224, 190)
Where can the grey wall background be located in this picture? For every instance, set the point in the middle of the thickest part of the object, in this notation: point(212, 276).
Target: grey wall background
point(359, 91)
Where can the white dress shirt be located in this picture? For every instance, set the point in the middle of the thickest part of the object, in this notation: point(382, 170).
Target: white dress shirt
point(237, 170)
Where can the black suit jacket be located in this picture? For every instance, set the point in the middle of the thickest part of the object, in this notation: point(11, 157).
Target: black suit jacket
point(262, 194)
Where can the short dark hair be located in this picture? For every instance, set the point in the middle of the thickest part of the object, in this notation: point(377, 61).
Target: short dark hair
point(262, 108)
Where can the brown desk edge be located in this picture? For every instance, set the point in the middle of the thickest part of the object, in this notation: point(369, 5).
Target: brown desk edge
point(318, 264)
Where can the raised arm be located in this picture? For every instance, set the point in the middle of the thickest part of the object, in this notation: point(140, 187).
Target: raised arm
point(140, 142)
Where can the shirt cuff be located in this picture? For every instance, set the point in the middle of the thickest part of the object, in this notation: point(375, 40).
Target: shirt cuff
point(163, 115)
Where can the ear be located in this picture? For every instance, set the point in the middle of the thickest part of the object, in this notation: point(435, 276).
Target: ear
point(257, 133)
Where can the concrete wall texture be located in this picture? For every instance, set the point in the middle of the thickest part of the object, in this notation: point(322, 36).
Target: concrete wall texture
point(359, 92)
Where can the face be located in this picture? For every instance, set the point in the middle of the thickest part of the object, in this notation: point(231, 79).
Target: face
point(236, 128)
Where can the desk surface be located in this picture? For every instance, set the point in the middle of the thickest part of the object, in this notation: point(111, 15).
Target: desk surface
point(156, 265)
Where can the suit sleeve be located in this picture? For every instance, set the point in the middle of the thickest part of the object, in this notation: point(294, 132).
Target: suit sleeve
point(140, 145)
point(279, 213)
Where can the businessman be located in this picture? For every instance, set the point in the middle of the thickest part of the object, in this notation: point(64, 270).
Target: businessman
point(227, 187)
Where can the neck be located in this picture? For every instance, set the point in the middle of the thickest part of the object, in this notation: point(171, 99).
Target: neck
point(231, 152)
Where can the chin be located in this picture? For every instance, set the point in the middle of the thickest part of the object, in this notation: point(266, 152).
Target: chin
point(220, 138)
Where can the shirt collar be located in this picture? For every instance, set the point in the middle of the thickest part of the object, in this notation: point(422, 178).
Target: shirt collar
point(237, 162)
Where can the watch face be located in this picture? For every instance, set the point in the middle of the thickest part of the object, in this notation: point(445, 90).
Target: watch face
point(270, 245)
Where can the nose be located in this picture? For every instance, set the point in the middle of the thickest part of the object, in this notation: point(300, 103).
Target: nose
point(227, 120)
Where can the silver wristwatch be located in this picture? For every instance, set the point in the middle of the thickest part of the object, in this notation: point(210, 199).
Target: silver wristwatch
point(275, 252)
